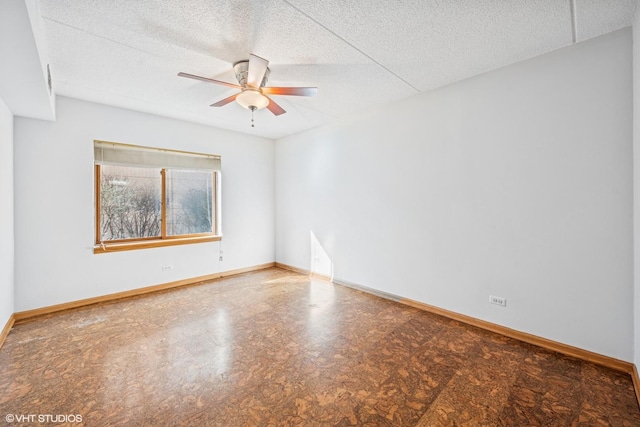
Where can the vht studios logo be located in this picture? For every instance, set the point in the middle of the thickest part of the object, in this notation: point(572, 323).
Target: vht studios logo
point(43, 418)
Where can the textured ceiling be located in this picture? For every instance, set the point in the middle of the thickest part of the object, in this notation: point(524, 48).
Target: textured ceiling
point(361, 54)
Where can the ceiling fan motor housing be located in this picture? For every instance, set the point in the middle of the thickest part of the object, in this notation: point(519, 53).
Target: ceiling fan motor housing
point(241, 68)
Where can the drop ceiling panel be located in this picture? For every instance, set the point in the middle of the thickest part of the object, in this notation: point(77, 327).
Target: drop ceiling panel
point(596, 17)
point(430, 43)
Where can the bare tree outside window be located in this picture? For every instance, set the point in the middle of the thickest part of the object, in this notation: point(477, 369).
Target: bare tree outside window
point(189, 202)
point(130, 202)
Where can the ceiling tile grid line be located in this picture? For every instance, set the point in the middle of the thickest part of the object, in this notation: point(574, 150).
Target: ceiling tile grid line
point(91, 34)
point(352, 45)
point(574, 23)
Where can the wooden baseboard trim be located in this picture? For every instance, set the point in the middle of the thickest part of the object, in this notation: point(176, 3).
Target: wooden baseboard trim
point(292, 268)
point(607, 361)
point(6, 329)
point(368, 290)
point(247, 269)
point(29, 314)
point(636, 383)
point(302, 271)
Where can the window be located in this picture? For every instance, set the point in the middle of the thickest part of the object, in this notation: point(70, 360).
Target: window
point(147, 197)
point(189, 202)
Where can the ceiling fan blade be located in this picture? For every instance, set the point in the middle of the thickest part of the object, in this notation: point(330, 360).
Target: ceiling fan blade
point(293, 91)
point(225, 101)
point(257, 68)
point(275, 108)
point(204, 79)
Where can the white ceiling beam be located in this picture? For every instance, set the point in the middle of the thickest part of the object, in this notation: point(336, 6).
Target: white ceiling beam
point(24, 76)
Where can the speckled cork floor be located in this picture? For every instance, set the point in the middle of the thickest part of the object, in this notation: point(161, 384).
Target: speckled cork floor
point(274, 348)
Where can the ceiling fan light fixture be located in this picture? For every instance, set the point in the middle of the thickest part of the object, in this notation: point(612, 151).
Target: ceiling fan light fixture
point(252, 98)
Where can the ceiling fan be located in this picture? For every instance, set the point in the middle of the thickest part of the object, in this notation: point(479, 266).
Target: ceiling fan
point(252, 75)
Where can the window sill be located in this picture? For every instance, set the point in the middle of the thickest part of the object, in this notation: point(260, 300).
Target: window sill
point(146, 244)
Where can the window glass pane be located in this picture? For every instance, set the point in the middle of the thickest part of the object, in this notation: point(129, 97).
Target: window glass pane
point(189, 202)
point(130, 202)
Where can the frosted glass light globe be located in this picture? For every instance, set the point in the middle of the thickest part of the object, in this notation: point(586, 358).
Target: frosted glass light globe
point(252, 98)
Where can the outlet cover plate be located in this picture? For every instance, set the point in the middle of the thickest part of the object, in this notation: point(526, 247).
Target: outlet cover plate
point(498, 300)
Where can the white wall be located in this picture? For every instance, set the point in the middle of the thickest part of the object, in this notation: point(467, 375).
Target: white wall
point(54, 204)
point(6, 214)
point(516, 183)
point(636, 186)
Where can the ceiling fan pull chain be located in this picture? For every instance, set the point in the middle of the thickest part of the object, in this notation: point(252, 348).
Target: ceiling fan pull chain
point(252, 110)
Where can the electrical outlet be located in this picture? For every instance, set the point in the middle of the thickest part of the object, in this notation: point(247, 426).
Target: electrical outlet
point(167, 267)
point(498, 300)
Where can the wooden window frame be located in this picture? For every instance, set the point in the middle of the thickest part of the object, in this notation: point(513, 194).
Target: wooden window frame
point(154, 242)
